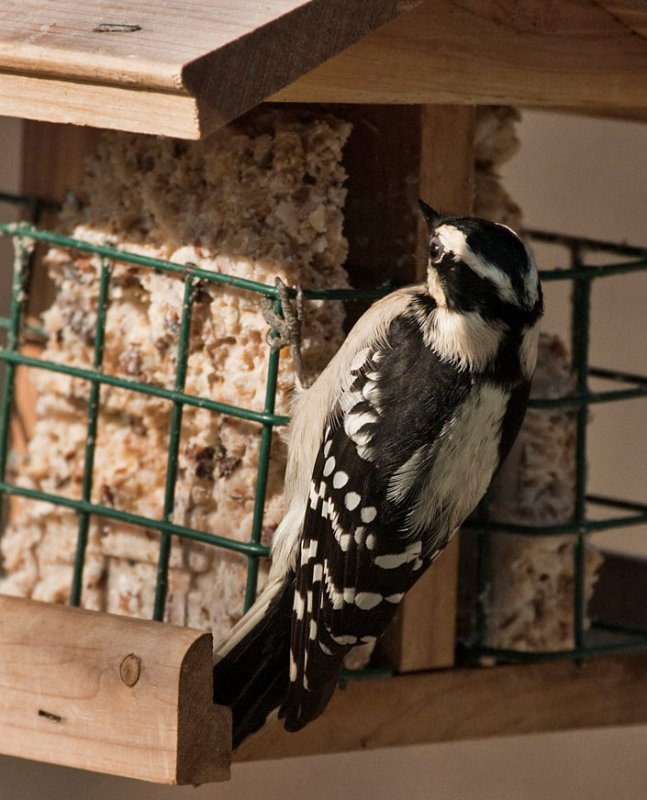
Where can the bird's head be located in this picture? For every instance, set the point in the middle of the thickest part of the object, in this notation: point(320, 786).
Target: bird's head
point(481, 267)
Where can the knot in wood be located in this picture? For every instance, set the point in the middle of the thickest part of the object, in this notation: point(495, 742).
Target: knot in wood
point(130, 669)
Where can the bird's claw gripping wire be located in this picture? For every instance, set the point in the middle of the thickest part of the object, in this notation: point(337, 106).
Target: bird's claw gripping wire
point(286, 329)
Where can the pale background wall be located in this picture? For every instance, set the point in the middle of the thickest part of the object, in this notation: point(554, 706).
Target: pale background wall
point(573, 175)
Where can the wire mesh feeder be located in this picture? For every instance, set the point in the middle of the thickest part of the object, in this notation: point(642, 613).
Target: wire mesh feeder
point(595, 636)
point(17, 328)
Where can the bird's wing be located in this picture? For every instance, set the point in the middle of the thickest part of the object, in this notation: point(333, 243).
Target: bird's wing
point(356, 557)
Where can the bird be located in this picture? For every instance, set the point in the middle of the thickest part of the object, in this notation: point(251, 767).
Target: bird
point(389, 451)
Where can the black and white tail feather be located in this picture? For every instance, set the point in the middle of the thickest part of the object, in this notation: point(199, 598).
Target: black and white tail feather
point(389, 451)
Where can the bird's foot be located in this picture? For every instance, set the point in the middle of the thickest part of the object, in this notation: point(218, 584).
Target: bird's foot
point(286, 329)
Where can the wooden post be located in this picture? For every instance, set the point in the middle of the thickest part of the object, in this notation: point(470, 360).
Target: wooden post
point(111, 694)
point(423, 633)
point(53, 161)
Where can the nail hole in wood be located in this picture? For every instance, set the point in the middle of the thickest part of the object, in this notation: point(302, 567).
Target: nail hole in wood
point(49, 715)
point(116, 27)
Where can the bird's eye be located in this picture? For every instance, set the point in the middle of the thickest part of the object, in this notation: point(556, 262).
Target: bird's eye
point(436, 249)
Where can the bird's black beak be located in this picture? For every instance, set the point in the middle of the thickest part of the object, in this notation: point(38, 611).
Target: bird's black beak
point(432, 217)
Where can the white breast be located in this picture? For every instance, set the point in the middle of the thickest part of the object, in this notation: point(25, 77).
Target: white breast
point(466, 456)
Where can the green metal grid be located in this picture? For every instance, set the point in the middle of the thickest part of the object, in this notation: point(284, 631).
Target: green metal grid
point(604, 636)
point(16, 328)
point(25, 237)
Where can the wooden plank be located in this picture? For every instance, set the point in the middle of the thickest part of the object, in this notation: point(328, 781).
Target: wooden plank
point(382, 159)
point(110, 694)
point(176, 69)
point(52, 165)
point(446, 166)
point(424, 631)
point(460, 704)
point(53, 160)
point(575, 54)
point(115, 107)
point(629, 12)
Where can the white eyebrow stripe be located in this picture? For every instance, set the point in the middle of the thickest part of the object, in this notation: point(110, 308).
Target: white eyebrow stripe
point(455, 241)
point(530, 282)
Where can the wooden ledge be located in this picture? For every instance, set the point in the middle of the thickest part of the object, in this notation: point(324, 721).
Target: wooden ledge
point(109, 694)
point(133, 698)
point(457, 704)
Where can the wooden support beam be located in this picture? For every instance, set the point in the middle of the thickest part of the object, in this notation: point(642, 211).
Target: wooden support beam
point(382, 159)
point(53, 164)
point(452, 705)
point(53, 159)
point(424, 631)
point(109, 694)
point(572, 54)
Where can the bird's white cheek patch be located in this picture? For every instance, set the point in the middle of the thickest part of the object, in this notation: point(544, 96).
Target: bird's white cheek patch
point(455, 241)
point(435, 287)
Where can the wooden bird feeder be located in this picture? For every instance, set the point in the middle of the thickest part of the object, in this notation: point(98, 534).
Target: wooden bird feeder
point(132, 697)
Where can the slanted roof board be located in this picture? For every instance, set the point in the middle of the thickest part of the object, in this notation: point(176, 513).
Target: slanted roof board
point(225, 56)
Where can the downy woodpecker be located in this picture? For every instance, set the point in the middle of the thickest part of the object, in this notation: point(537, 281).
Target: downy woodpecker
point(390, 450)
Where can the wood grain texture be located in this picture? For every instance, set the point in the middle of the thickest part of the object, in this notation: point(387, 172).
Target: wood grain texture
point(446, 166)
point(631, 13)
point(382, 159)
point(182, 68)
point(423, 633)
point(53, 161)
point(575, 54)
point(63, 699)
point(461, 704)
point(98, 105)
point(52, 165)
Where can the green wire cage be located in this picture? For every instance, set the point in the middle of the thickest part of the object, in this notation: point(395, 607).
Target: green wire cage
point(15, 328)
point(595, 636)
point(603, 637)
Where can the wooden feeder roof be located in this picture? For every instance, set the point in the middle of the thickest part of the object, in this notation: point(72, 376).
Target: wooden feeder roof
point(185, 68)
point(180, 68)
